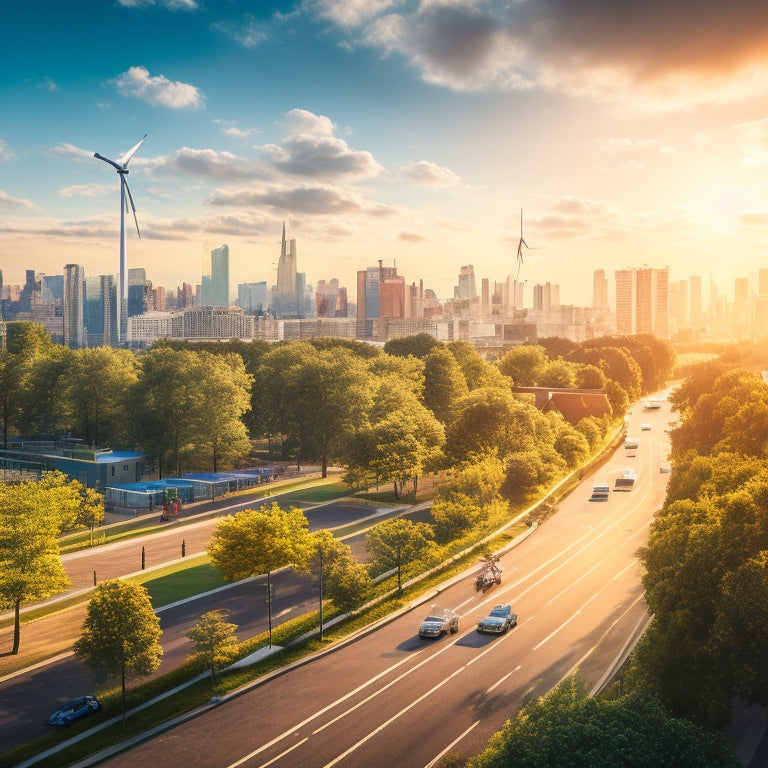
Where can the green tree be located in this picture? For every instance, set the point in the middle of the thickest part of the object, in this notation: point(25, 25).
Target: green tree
point(568, 728)
point(316, 398)
point(478, 372)
point(165, 404)
point(419, 345)
point(41, 399)
point(558, 374)
point(93, 395)
point(444, 383)
point(454, 516)
point(397, 543)
point(491, 421)
point(225, 393)
point(253, 542)
point(524, 364)
point(25, 343)
point(215, 641)
point(31, 516)
point(341, 578)
point(121, 633)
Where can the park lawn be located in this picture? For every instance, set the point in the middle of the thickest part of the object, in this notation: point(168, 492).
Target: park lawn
point(180, 581)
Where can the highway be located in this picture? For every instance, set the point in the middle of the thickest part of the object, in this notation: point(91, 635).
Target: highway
point(389, 698)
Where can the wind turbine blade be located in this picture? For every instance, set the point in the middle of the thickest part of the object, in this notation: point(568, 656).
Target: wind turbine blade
point(133, 207)
point(131, 152)
point(107, 160)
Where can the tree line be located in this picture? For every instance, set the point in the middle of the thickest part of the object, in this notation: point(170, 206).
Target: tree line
point(386, 415)
point(706, 561)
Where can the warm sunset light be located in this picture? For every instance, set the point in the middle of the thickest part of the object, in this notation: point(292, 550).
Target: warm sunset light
point(412, 132)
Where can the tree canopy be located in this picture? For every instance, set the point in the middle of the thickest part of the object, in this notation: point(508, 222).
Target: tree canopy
point(121, 633)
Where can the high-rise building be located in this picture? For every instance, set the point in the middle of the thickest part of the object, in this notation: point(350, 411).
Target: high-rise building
point(287, 297)
point(74, 300)
point(101, 311)
point(467, 289)
point(215, 283)
point(546, 297)
point(599, 290)
point(642, 301)
point(380, 295)
point(252, 297)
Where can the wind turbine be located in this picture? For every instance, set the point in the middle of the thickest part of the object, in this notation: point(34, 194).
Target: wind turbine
point(520, 247)
point(121, 165)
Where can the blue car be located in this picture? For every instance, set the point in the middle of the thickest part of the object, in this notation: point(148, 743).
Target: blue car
point(74, 710)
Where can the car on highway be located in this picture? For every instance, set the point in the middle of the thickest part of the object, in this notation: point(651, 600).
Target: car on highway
point(498, 621)
point(74, 710)
point(645, 426)
point(439, 622)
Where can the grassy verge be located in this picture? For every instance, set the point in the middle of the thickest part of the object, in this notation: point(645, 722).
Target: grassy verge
point(287, 635)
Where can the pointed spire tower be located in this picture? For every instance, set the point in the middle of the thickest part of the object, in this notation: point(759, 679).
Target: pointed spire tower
point(286, 300)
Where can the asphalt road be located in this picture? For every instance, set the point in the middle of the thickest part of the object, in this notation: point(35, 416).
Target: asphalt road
point(28, 697)
point(389, 698)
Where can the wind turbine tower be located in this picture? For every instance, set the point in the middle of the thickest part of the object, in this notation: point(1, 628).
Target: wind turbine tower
point(121, 165)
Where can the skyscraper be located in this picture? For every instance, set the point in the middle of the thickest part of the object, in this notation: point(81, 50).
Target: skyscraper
point(642, 301)
point(599, 290)
point(215, 282)
point(74, 298)
point(287, 295)
point(467, 288)
point(101, 311)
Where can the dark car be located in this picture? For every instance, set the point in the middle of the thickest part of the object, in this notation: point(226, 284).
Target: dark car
point(498, 621)
point(74, 710)
point(440, 622)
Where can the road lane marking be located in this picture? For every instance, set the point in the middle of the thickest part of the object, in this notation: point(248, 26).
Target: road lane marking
point(434, 760)
point(322, 711)
point(499, 682)
point(632, 564)
point(281, 755)
point(394, 717)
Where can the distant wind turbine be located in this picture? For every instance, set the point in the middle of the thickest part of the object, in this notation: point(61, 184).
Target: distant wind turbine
point(520, 247)
point(121, 165)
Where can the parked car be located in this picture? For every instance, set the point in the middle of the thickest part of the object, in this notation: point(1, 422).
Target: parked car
point(498, 621)
point(74, 710)
point(440, 622)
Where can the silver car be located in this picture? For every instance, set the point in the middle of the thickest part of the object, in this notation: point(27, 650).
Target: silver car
point(440, 622)
point(498, 621)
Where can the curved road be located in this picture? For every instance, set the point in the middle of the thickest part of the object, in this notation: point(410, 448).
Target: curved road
point(389, 698)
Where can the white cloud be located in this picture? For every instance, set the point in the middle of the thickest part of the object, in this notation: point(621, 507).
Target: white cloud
point(158, 90)
point(69, 150)
point(249, 33)
point(352, 13)
point(630, 52)
point(426, 174)
point(6, 153)
point(206, 164)
point(315, 199)
point(311, 150)
point(14, 203)
point(171, 5)
point(754, 135)
point(86, 190)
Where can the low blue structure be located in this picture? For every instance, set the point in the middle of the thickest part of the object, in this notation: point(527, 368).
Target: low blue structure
point(146, 496)
point(96, 468)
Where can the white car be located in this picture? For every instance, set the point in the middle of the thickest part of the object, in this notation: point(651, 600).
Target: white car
point(645, 426)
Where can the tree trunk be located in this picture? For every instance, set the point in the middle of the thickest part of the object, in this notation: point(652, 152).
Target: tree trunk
point(16, 627)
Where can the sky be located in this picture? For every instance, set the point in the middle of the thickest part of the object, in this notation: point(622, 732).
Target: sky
point(626, 134)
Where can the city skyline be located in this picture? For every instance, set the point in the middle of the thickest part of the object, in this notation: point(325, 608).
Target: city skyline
point(411, 133)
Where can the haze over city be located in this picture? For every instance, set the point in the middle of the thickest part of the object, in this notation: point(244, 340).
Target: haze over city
point(414, 133)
